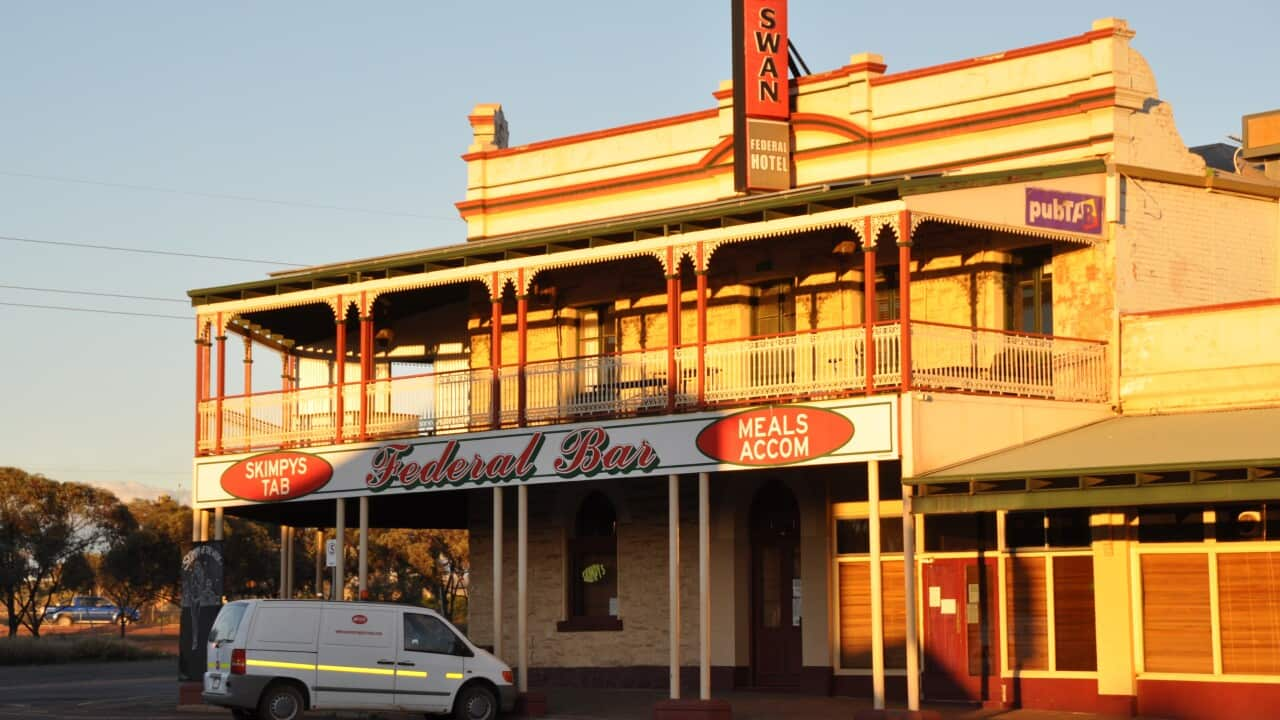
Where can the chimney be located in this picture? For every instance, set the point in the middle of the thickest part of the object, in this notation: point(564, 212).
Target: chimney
point(488, 127)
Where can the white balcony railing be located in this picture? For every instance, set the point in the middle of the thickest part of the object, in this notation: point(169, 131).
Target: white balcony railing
point(818, 363)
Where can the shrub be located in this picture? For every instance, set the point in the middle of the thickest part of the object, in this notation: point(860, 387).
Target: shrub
point(53, 650)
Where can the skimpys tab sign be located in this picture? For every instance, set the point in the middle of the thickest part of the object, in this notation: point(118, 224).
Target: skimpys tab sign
point(775, 436)
point(277, 476)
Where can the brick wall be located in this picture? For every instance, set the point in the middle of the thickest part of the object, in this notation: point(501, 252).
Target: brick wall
point(1181, 246)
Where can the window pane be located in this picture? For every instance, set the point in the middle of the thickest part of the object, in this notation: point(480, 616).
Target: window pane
point(852, 536)
point(855, 615)
point(1069, 528)
point(427, 634)
point(1075, 634)
point(956, 533)
point(1249, 605)
point(1024, 529)
point(596, 578)
point(1171, 525)
point(1176, 632)
point(1241, 522)
point(1027, 609)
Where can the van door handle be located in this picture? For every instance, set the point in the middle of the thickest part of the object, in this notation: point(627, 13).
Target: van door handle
point(386, 662)
point(405, 664)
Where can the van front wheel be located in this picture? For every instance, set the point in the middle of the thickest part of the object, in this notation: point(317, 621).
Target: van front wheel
point(475, 702)
point(280, 702)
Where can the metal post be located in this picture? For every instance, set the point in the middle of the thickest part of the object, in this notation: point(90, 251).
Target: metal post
point(704, 586)
point(283, 590)
point(497, 571)
point(673, 580)
point(877, 598)
point(909, 590)
point(217, 523)
point(363, 563)
point(340, 531)
point(288, 562)
point(869, 305)
point(222, 385)
point(904, 297)
point(319, 563)
point(522, 584)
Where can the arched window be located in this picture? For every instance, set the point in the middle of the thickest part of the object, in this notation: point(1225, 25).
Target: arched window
point(593, 566)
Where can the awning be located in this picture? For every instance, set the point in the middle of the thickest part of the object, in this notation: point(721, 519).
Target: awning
point(1132, 460)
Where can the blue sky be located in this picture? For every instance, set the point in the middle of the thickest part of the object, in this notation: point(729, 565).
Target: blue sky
point(363, 106)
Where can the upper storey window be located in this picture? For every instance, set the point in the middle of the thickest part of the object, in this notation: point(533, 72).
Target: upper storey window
point(773, 308)
point(1029, 305)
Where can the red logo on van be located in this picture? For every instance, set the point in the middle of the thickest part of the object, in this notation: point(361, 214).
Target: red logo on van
point(277, 476)
point(775, 436)
point(359, 619)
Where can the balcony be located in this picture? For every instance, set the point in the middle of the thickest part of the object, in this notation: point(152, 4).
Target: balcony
point(797, 366)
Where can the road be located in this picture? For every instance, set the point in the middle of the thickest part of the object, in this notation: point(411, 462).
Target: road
point(91, 690)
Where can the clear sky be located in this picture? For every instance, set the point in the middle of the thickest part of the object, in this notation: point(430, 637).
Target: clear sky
point(344, 122)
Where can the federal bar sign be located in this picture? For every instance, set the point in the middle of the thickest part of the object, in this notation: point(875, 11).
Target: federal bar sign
point(818, 433)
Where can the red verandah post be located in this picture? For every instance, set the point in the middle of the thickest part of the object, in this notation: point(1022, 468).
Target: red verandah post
point(904, 296)
point(522, 347)
point(495, 351)
point(869, 303)
point(340, 353)
point(702, 327)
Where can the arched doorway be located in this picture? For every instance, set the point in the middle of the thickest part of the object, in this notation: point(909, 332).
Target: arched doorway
point(775, 587)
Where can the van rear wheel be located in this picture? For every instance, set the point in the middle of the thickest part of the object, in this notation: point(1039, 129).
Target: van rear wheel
point(475, 702)
point(280, 702)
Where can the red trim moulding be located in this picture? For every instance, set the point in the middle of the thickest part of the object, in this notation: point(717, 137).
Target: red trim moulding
point(706, 165)
point(595, 134)
point(1209, 700)
point(1241, 305)
point(996, 57)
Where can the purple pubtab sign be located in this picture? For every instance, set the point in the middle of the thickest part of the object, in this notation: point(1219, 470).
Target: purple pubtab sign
point(1064, 210)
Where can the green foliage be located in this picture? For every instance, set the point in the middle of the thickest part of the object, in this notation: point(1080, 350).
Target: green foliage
point(427, 567)
point(46, 651)
point(140, 568)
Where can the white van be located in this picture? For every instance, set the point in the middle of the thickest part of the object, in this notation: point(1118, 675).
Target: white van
point(275, 659)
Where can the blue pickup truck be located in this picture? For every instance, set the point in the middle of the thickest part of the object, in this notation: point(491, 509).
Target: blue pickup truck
point(87, 608)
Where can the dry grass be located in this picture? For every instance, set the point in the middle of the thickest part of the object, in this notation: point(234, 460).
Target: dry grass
point(81, 642)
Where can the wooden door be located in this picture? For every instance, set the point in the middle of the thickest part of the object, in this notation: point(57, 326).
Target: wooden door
point(961, 661)
point(776, 600)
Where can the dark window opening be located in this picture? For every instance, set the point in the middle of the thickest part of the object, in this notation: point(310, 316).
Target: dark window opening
point(853, 535)
point(593, 567)
point(960, 533)
point(774, 308)
point(1029, 293)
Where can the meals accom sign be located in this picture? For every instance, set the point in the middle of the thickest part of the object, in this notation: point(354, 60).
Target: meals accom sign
point(770, 436)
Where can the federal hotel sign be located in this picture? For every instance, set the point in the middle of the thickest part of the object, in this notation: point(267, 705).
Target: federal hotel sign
point(820, 433)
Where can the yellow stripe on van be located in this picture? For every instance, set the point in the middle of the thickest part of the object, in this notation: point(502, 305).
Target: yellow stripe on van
point(453, 676)
point(412, 673)
point(279, 664)
point(356, 670)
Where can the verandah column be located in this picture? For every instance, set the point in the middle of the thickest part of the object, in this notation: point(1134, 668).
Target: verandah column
point(366, 366)
point(522, 350)
point(704, 586)
point(495, 351)
point(222, 383)
point(904, 296)
point(284, 563)
point(340, 367)
point(909, 591)
point(248, 390)
point(673, 580)
point(522, 585)
point(702, 326)
point(877, 598)
point(202, 383)
point(673, 325)
point(869, 304)
point(498, 514)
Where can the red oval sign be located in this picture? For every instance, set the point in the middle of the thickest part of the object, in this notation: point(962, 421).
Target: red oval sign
point(359, 619)
point(276, 476)
point(775, 436)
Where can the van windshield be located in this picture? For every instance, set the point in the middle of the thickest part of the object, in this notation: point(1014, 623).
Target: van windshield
point(224, 628)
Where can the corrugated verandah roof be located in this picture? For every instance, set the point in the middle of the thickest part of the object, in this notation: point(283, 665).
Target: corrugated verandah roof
point(541, 247)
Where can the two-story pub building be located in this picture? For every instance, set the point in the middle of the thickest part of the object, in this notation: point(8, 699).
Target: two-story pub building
point(981, 405)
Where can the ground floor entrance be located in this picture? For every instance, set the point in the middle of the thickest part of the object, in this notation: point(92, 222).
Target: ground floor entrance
point(776, 588)
point(960, 616)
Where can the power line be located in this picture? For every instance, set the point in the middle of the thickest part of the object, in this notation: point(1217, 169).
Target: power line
point(95, 294)
point(144, 251)
point(223, 196)
point(96, 310)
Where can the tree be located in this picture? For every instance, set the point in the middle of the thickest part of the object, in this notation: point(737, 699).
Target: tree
point(421, 566)
point(43, 525)
point(141, 567)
